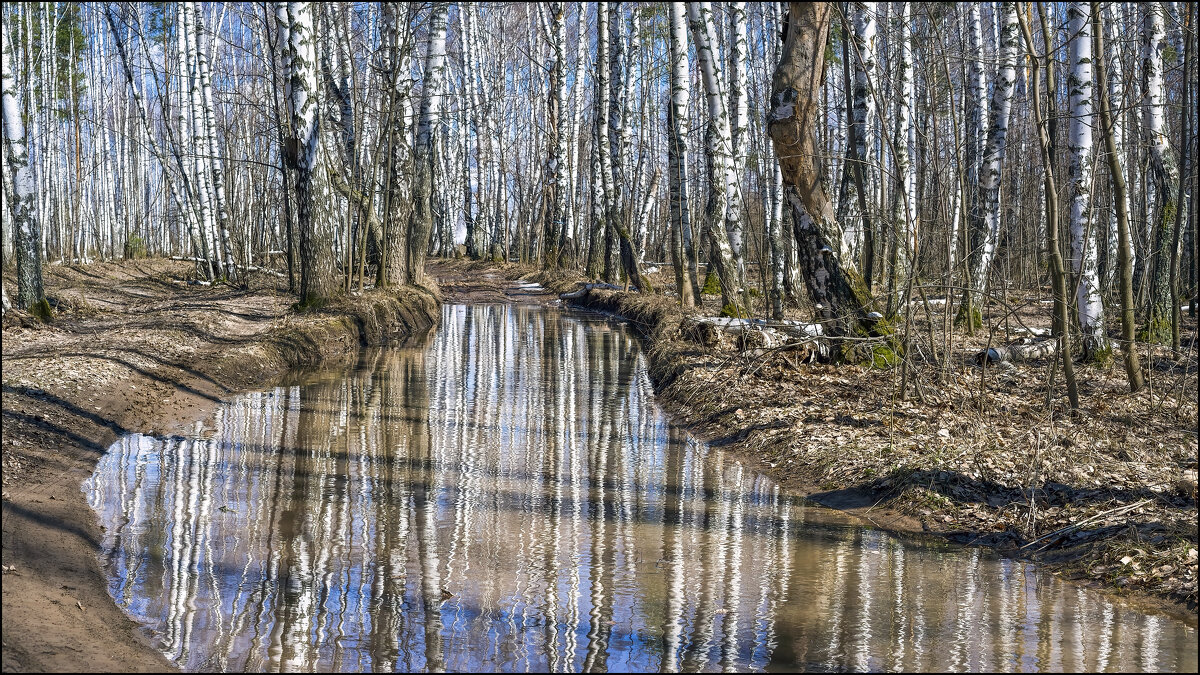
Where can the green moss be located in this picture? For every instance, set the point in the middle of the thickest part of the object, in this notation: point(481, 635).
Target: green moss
point(310, 303)
point(883, 356)
point(1100, 356)
point(41, 311)
point(712, 284)
point(732, 310)
point(135, 247)
point(754, 292)
point(1158, 329)
point(969, 317)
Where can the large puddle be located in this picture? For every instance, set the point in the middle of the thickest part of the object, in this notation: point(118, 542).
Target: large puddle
point(508, 496)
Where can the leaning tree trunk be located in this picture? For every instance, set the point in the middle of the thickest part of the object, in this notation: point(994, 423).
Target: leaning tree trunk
point(1079, 178)
point(28, 235)
point(423, 147)
point(719, 158)
point(993, 156)
point(835, 287)
point(1133, 369)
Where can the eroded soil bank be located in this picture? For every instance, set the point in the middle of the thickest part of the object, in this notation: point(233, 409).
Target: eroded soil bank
point(1104, 496)
point(134, 348)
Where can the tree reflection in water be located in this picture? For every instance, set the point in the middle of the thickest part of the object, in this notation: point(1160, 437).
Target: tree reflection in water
point(507, 496)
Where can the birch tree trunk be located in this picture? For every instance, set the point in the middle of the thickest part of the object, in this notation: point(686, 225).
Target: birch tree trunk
point(397, 200)
point(1133, 369)
point(423, 148)
point(997, 141)
point(27, 240)
point(556, 157)
point(835, 287)
point(1164, 173)
point(902, 242)
point(719, 158)
point(318, 278)
point(1079, 179)
point(689, 283)
point(859, 206)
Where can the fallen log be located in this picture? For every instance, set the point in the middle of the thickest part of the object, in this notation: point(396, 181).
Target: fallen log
point(1024, 349)
point(587, 288)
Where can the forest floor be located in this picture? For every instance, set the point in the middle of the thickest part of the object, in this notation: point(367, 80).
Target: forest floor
point(980, 457)
point(1104, 496)
point(133, 347)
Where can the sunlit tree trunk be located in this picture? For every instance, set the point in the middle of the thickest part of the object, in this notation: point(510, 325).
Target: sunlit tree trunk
point(1079, 179)
point(689, 283)
point(27, 239)
point(1133, 369)
point(719, 158)
point(835, 287)
point(318, 279)
point(423, 147)
point(902, 240)
point(990, 178)
point(1164, 173)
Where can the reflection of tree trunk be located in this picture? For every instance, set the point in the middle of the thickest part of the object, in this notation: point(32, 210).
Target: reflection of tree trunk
point(390, 499)
point(424, 516)
point(672, 547)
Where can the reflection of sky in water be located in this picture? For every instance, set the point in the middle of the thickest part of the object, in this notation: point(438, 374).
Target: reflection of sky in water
point(508, 497)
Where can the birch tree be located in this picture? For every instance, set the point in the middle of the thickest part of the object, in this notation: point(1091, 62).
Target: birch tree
point(719, 158)
point(997, 142)
point(423, 146)
point(834, 285)
point(318, 278)
point(1090, 308)
point(20, 197)
point(1164, 172)
point(677, 116)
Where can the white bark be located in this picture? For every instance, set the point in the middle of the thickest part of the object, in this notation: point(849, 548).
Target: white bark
point(1079, 177)
point(718, 139)
point(993, 158)
point(21, 206)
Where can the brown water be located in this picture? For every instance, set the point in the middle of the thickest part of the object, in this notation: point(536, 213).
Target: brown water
point(508, 496)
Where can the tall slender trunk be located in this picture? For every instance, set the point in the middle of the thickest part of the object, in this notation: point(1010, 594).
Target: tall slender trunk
point(1164, 173)
point(27, 240)
point(719, 158)
point(991, 176)
point(1133, 369)
point(677, 115)
point(1079, 179)
point(424, 146)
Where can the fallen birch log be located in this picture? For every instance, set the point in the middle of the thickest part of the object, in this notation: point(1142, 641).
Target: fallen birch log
point(587, 288)
point(748, 334)
point(247, 268)
point(1024, 349)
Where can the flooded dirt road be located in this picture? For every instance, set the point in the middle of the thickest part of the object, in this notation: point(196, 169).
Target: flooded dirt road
point(508, 496)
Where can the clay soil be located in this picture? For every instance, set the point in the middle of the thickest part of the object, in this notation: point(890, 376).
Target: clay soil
point(133, 347)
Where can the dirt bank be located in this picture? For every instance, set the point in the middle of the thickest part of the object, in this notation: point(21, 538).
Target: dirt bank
point(133, 348)
point(1100, 496)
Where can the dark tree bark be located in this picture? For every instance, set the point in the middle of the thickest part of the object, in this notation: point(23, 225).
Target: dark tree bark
point(835, 286)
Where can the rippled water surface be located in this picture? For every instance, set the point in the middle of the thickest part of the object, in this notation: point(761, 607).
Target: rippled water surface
point(507, 496)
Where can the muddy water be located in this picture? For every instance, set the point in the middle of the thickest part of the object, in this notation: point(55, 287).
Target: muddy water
point(507, 496)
